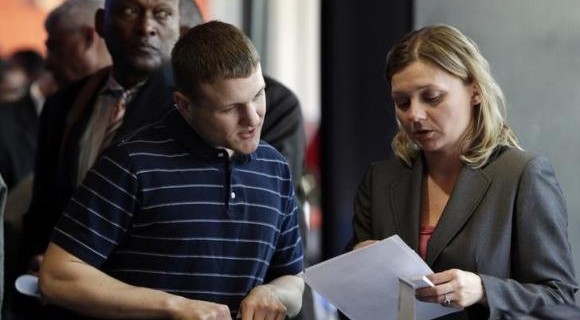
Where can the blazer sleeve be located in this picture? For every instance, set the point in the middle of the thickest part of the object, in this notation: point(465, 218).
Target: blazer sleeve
point(362, 220)
point(542, 270)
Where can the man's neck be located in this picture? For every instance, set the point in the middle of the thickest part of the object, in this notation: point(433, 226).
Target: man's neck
point(129, 79)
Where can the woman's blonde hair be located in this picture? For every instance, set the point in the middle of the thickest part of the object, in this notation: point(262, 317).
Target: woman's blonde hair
point(446, 47)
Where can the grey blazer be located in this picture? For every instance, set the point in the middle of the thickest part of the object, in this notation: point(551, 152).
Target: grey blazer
point(507, 222)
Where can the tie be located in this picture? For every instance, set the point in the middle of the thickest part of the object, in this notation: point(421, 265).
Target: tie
point(115, 118)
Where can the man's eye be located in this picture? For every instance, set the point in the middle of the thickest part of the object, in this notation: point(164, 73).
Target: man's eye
point(162, 14)
point(130, 12)
point(259, 95)
point(228, 110)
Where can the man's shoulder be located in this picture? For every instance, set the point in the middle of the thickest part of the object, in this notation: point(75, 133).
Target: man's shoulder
point(267, 151)
point(64, 98)
point(152, 133)
point(150, 140)
point(158, 85)
point(67, 93)
point(280, 99)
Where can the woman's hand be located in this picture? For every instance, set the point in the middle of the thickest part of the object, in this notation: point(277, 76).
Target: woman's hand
point(453, 288)
point(363, 244)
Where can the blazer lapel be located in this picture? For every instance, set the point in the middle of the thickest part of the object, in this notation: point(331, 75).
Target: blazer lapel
point(470, 188)
point(405, 197)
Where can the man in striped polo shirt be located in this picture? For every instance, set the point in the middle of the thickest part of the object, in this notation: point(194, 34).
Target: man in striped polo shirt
point(192, 217)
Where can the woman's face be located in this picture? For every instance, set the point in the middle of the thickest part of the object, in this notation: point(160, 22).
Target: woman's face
point(433, 107)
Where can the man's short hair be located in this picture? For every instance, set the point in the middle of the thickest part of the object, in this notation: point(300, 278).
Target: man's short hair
point(73, 14)
point(211, 51)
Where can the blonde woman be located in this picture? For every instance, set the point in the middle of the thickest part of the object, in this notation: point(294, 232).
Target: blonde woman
point(488, 217)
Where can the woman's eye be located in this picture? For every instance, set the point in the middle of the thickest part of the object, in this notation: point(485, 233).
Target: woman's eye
point(402, 104)
point(432, 99)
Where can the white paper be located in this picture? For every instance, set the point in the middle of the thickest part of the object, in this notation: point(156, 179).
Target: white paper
point(27, 284)
point(407, 306)
point(364, 284)
point(422, 282)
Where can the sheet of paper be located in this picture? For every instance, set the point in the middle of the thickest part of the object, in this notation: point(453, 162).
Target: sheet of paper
point(407, 305)
point(364, 284)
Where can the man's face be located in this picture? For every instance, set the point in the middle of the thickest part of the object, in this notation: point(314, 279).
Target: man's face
point(229, 113)
point(140, 34)
point(67, 53)
point(13, 85)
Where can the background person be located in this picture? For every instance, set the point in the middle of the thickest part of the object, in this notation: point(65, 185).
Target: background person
point(74, 48)
point(82, 119)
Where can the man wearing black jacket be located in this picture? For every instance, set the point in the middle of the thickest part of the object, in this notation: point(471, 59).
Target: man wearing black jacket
point(139, 35)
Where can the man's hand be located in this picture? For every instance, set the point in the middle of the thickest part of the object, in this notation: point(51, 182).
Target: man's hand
point(199, 310)
point(262, 303)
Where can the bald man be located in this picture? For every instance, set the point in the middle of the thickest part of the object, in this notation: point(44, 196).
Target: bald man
point(74, 49)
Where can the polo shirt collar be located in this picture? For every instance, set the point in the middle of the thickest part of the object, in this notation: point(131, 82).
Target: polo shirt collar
point(180, 130)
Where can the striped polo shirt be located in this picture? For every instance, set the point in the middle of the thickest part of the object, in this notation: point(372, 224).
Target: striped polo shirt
point(164, 210)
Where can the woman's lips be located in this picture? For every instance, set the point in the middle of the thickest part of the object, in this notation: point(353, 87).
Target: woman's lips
point(422, 134)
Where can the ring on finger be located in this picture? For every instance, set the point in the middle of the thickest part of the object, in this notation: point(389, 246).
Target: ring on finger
point(446, 301)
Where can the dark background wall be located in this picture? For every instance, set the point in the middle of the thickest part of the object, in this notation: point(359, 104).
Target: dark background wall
point(357, 117)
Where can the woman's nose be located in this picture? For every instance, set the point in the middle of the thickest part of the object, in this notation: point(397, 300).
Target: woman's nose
point(416, 112)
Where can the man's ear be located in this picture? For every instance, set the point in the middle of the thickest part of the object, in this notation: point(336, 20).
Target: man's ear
point(89, 36)
point(100, 22)
point(181, 102)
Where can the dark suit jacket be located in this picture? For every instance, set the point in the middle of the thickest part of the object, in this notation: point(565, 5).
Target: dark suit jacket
point(3, 192)
point(507, 222)
point(284, 125)
point(18, 132)
point(63, 121)
point(283, 128)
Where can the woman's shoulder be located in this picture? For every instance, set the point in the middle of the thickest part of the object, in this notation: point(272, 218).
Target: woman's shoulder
point(391, 169)
point(510, 160)
point(392, 163)
point(512, 154)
